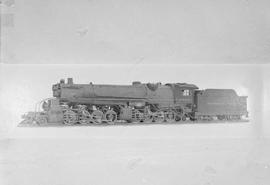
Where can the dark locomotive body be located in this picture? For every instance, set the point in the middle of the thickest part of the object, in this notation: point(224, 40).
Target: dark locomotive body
point(89, 103)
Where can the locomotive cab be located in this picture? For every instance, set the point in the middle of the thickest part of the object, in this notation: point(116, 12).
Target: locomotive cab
point(183, 95)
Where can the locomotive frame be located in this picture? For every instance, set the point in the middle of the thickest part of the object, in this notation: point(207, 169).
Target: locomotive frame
point(171, 102)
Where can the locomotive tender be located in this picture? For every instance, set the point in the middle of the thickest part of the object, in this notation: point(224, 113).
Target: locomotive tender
point(172, 102)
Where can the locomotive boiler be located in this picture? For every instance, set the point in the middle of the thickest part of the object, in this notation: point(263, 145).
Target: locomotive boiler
point(139, 102)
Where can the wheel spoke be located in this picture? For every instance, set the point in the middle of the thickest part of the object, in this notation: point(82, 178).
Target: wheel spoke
point(69, 117)
point(97, 116)
point(159, 116)
point(85, 117)
point(170, 116)
point(110, 116)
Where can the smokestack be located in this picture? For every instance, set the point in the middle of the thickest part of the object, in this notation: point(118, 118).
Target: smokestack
point(70, 81)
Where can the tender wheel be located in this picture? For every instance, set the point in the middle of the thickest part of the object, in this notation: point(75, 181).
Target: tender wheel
point(159, 116)
point(85, 117)
point(237, 117)
point(110, 116)
point(97, 116)
point(69, 117)
point(170, 116)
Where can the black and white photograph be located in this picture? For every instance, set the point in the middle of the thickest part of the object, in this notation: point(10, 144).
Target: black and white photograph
point(134, 92)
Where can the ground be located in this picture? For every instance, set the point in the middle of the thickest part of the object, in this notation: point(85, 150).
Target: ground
point(147, 154)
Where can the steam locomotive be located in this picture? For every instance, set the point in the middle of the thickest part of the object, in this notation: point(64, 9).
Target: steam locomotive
point(140, 102)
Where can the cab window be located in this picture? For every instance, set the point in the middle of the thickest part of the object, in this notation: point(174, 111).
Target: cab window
point(186, 92)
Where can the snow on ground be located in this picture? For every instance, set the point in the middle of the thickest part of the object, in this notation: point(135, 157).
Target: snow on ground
point(148, 154)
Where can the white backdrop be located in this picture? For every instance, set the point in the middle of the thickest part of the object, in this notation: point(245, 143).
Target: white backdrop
point(134, 32)
point(131, 31)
